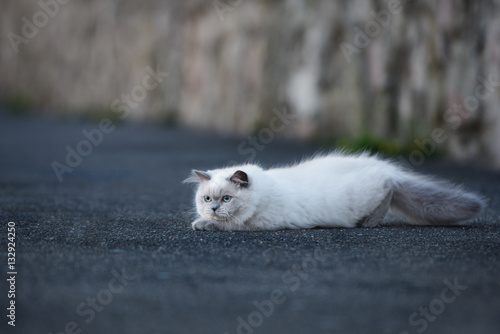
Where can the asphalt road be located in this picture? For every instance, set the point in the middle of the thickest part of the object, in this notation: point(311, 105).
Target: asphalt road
point(110, 250)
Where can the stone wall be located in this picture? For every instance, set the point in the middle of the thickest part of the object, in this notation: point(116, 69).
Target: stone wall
point(402, 70)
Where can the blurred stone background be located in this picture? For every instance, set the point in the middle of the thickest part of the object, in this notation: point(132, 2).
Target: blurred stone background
point(423, 74)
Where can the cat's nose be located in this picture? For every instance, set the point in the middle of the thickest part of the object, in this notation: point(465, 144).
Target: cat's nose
point(214, 208)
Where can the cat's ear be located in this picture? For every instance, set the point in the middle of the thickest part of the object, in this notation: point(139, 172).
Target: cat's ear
point(240, 178)
point(198, 176)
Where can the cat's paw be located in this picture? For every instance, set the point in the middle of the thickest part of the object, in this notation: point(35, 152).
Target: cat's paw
point(205, 225)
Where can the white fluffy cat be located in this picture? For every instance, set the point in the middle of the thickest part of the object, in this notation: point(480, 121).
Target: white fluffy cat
point(333, 190)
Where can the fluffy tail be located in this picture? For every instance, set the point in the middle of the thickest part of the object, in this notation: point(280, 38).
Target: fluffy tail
point(426, 201)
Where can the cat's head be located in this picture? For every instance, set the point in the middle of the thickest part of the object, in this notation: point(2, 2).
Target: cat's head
point(224, 195)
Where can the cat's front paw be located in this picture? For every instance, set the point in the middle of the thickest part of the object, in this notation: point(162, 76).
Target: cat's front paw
point(205, 225)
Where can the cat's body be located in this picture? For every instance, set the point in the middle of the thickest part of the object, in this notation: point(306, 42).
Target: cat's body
point(333, 190)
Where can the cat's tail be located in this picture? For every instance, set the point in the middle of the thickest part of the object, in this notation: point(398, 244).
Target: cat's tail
point(426, 201)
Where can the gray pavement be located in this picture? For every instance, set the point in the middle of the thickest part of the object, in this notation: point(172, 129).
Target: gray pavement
point(109, 249)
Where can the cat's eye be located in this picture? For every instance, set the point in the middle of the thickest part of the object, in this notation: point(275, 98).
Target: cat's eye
point(207, 199)
point(226, 198)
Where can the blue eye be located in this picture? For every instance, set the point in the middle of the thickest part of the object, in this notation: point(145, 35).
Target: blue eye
point(226, 198)
point(208, 199)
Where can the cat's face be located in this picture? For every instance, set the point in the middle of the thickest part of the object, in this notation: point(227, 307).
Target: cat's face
point(224, 197)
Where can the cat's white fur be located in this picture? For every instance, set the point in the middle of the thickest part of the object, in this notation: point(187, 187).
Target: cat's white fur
point(333, 190)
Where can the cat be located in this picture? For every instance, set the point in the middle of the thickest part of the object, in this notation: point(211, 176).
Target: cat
point(329, 190)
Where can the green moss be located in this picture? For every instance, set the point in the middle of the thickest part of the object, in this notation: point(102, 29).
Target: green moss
point(257, 127)
point(97, 116)
point(368, 142)
point(93, 115)
point(168, 117)
point(19, 104)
